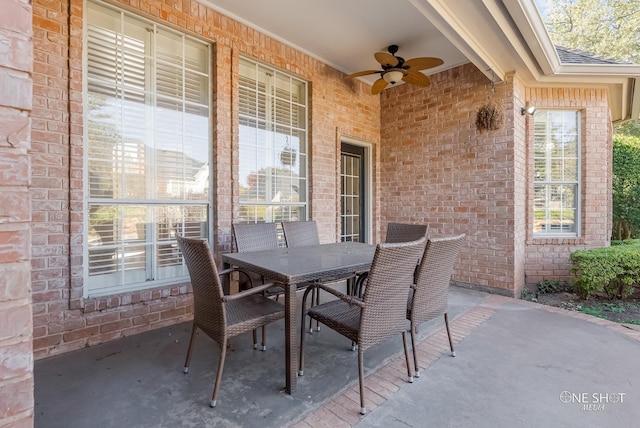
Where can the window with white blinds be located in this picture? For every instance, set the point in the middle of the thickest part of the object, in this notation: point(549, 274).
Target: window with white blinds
point(147, 149)
point(273, 145)
point(556, 173)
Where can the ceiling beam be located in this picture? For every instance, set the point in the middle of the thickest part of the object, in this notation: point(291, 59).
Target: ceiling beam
point(442, 17)
point(526, 17)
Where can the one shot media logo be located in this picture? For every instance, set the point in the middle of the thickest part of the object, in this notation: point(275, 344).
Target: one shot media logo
point(592, 401)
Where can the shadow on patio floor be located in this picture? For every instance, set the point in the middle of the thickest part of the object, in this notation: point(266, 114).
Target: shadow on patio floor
point(514, 359)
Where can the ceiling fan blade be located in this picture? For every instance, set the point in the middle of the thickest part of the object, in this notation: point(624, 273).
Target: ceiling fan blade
point(363, 73)
point(423, 63)
point(386, 59)
point(416, 78)
point(378, 86)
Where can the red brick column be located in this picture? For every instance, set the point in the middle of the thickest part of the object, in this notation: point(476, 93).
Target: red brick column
point(16, 325)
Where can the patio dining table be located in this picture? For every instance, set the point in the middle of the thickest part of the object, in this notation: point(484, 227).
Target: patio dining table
point(290, 267)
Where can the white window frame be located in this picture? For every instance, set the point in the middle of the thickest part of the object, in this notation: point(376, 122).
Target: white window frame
point(153, 249)
point(275, 201)
point(551, 225)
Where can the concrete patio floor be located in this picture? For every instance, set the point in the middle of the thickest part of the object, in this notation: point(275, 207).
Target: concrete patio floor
point(518, 364)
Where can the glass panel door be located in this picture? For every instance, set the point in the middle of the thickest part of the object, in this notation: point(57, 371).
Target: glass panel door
point(352, 193)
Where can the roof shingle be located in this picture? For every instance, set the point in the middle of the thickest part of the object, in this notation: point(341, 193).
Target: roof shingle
point(576, 56)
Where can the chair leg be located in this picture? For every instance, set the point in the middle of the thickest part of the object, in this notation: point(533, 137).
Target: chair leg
point(315, 300)
point(264, 337)
point(301, 359)
point(446, 324)
point(216, 386)
point(317, 303)
point(188, 360)
point(360, 284)
point(313, 303)
point(303, 326)
point(415, 352)
point(406, 356)
point(363, 409)
point(255, 339)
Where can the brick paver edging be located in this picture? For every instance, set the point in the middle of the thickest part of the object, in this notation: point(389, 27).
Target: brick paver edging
point(343, 409)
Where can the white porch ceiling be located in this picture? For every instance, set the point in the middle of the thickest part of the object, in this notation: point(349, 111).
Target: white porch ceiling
point(497, 36)
point(346, 33)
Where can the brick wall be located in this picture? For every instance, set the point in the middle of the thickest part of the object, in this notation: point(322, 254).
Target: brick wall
point(63, 320)
point(16, 357)
point(548, 258)
point(438, 169)
point(430, 165)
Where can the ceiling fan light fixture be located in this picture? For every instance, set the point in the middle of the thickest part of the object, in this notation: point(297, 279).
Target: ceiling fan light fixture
point(393, 76)
point(395, 69)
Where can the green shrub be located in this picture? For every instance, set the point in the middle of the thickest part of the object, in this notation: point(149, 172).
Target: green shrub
point(612, 270)
point(526, 294)
point(626, 187)
point(548, 286)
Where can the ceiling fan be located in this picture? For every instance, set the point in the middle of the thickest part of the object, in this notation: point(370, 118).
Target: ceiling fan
point(395, 69)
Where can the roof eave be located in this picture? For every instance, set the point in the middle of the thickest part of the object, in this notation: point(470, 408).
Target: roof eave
point(531, 53)
point(600, 70)
point(526, 16)
point(623, 80)
point(439, 13)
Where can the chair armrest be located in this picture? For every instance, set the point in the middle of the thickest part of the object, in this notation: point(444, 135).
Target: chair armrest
point(352, 300)
point(235, 269)
point(248, 292)
point(226, 271)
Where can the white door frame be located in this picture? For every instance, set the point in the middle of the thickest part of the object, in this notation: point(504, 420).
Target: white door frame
point(368, 183)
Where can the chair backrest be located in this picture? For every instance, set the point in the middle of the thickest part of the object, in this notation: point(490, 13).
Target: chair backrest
point(208, 309)
point(387, 291)
point(255, 236)
point(300, 233)
point(433, 277)
point(405, 232)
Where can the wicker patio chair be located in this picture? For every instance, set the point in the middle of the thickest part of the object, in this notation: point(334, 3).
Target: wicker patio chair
point(380, 314)
point(256, 237)
point(222, 316)
point(405, 232)
point(396, 232)
point(300, 233)
point(428, 297)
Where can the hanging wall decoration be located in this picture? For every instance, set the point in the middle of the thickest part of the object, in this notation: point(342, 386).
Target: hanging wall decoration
point(490, 116)
point(288, 154)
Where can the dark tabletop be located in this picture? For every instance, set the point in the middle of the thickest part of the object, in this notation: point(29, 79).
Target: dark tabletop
point(302, 264)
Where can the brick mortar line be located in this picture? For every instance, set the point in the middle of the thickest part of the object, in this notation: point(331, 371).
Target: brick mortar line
point(468, 321)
